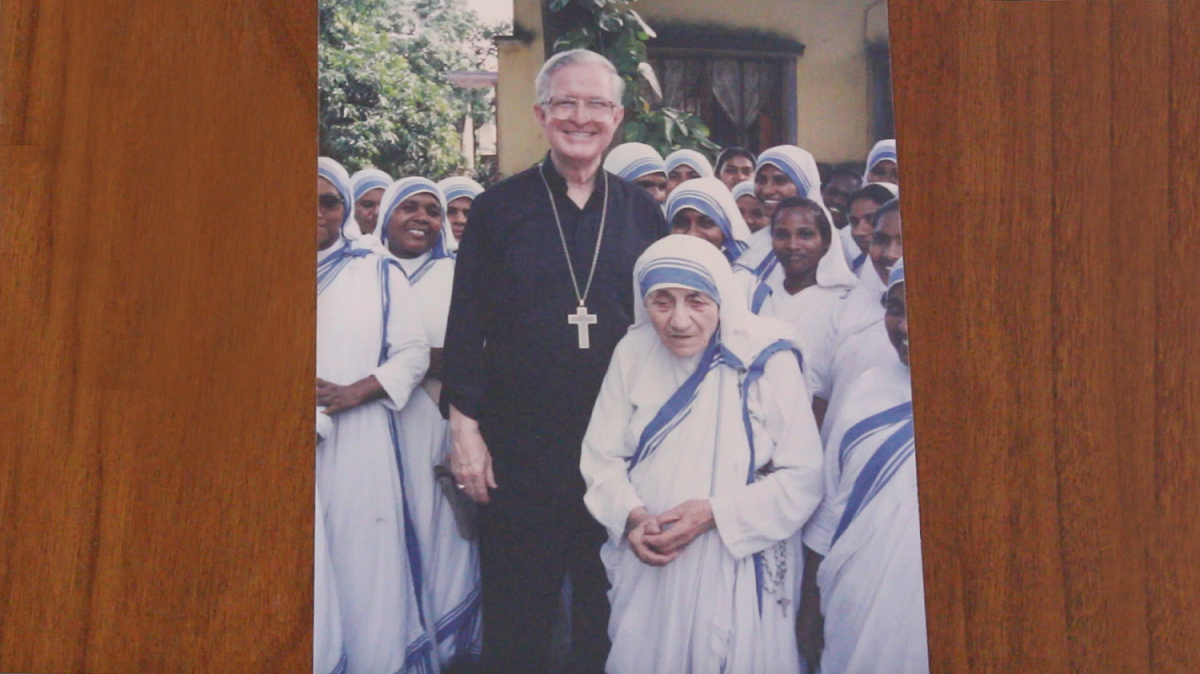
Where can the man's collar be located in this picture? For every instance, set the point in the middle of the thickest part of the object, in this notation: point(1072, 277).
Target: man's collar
point(559, 184)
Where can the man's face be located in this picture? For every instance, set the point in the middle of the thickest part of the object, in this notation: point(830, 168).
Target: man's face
point(414, 225)
point(895, 319)
point(585, 134)
point(884, 171)
point(861, 227)
point(330, 209)
point(655, 184)
point(456, 214)
point(680, 174)
point(366, 210)
point(736, 169)
point(796, 240)
point(772, 186)
point(694, 223)
point(887, 246)
point(684, 319)
point(752, 212)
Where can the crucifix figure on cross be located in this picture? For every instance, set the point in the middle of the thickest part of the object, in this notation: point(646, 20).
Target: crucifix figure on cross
point(582, 320)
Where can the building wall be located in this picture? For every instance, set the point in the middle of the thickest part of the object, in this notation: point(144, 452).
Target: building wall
point(832, 105)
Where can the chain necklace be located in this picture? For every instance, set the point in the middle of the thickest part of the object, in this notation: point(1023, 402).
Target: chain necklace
point(581, 319)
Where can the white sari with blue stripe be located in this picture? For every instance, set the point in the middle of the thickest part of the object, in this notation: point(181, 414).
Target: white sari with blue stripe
point(731, 425)
point(872, 589)
point(368, 325)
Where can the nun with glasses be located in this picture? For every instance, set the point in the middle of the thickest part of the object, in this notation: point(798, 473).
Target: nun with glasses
point(641, 165)
point(702, 467)
point(459, 193)
point(413, 231)
point(684, 165)
point(371, 355)
point(704, 208)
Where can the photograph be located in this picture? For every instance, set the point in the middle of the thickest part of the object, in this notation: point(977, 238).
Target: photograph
point(612, 341)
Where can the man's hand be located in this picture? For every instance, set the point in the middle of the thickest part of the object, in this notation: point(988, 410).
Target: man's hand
point(640, 525)
point(470, 460)
point(680, 525)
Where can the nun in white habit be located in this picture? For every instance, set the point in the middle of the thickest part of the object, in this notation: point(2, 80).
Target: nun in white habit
point(882, 163)
point(362, 184)
point(639, 164)
point(451, 560)
point(371, 354)
point(684, 165)
point(871, 583)
point(329, 650)
point(704, 208)
point(454, 189)
point(702, 465)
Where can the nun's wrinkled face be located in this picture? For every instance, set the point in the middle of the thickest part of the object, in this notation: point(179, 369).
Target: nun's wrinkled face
point(366, 210)
point(330, 210)
point(862, 223)
point(680, 174)
point(456, 214)
point(694, 223)
point(752, 212)
point(735, 170)
point(685, 319)
point(884, 171)
point(654, 183)
point(887, 244)
point(797, 242)
point(414, 225)
point(895, 319)
point(772, 186)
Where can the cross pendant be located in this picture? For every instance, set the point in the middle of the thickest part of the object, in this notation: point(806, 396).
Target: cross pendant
point(583, 320)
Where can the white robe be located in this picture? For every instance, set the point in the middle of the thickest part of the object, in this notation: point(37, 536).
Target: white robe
point(451, 563)
point(813, 313)
point(376, 566)
point(872, 589)
point(700, 614)
point(329, 651)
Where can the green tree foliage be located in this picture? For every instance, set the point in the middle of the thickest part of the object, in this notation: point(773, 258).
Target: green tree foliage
point(385, 101)
point(614, 29)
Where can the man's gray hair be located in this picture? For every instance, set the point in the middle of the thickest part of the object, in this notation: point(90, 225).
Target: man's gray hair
point(576, 57)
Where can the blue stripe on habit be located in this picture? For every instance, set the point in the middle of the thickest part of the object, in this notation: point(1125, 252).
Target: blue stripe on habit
point(899, 447)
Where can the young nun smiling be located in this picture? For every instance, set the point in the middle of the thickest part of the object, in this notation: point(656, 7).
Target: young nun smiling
point(783, 171)
point(459, 193)
point(371, 355)
point(641, 165)
point(751, 208)
point(684, 165)
point(702, 467)
point(411, 211)
point(704, 208)
point(862, 206)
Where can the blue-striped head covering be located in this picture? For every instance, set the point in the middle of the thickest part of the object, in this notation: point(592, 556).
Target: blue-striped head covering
point(335, 173)
point(884, 149)
point(396, 194)
point(798, 165)
point(456, 187)
point(744, 189)
point(634, 160)
point(896, 275)
point(710, 197)
point(677, 272)
point(692, 158)
point(366, 180)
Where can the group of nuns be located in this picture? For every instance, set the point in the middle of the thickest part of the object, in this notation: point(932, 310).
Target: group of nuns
point(397, 573)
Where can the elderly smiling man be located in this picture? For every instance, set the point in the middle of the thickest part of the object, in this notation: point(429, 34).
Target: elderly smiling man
point(541, 297)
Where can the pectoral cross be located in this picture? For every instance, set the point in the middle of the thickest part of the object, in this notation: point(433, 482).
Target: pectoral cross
point(582, 320)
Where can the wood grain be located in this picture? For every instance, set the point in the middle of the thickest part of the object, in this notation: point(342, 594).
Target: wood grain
point(157, 312)
point(1049, 149)
point(158, 305)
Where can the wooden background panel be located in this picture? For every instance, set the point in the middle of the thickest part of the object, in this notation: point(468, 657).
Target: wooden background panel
point(1049, 150)
point(158, 306)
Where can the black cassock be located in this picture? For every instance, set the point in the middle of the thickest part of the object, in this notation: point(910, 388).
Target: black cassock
point(513, 363)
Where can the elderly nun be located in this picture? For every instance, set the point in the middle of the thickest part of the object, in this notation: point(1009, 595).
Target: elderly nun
point(871, 586)
point(459, 193)
point(684, 165)
point(702, 468)
point(704, 208)
point(412, 230)
point(371, 355)
point(641, 165)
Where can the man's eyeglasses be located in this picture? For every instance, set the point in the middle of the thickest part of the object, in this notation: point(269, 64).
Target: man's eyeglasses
point(564, 108)
point(329, 202)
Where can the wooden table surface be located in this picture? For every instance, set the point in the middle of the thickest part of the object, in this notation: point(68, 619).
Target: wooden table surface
point(157, 310)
